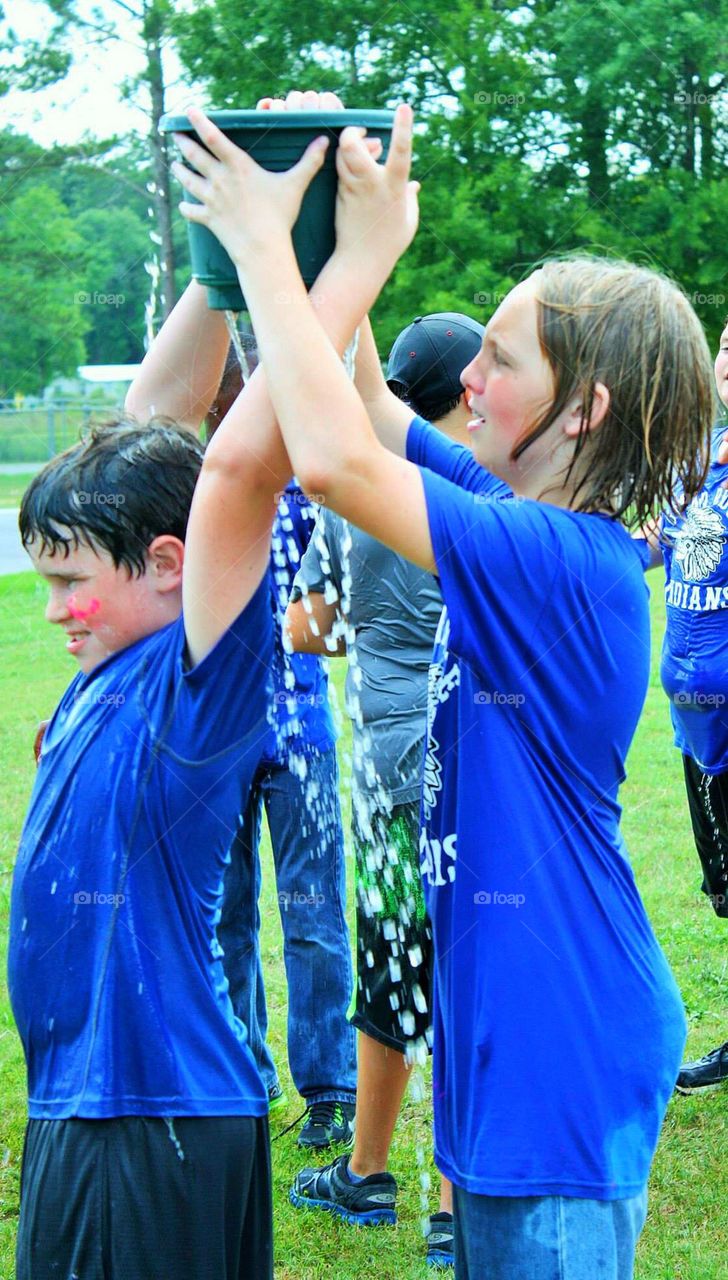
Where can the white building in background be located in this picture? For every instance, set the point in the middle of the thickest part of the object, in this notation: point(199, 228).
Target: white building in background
point(108, 381)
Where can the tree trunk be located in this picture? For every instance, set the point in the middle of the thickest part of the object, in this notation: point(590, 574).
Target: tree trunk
point(153, 30)
point(594, 120)
point(688, 155)
point(707, 141)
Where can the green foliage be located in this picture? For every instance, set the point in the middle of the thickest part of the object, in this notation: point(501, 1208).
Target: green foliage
point(545, 127)
point(42, 274)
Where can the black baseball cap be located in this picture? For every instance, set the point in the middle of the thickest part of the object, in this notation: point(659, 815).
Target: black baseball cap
point(430, 354)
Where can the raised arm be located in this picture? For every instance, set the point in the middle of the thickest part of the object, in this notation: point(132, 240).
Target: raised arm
point(246, 464)
point(245, 468)
point(331, 442)
point(181, 372)
point(389, 416)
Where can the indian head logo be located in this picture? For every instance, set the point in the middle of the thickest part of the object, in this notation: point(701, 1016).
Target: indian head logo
point(700, 540)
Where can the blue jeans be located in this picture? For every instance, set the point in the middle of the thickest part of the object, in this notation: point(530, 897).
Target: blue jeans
point(545, 1237)
point(308, 850)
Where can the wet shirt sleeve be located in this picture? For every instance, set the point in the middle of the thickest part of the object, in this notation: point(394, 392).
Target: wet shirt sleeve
point(225, 699)
point(321, 563)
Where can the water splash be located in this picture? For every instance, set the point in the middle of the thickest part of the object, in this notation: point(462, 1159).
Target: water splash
point(153, 268)
point(173, 1137)
point(231, 320)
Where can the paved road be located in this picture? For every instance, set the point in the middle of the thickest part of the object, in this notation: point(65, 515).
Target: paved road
point(12, 557)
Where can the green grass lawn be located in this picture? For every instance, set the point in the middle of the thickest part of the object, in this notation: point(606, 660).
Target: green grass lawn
point(686, 1237)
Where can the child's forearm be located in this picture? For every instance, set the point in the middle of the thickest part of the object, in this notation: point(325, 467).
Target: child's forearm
point(181, 372)
point(387, 414)
point(323, 421)
point(251, 429)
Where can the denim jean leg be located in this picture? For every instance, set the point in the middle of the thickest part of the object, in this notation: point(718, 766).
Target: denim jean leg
point(545, 1237)
point(238, 934)
point(308, 849)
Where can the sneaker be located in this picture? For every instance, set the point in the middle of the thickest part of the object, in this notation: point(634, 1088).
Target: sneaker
point(276, 1097)
point(705, 1072)
point(326, 1123)
point(364, 1203)
point(440, 1241)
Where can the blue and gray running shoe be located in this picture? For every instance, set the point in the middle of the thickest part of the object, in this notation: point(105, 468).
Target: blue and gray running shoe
point(363, 1203)
point(440, 1241)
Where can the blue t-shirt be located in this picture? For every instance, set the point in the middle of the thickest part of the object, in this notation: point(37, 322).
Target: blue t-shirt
point(694, 668)
point(558, 1026)
point(301, 720)
point(115, 972)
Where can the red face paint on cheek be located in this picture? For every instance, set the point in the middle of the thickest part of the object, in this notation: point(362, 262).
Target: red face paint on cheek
point(82, 615)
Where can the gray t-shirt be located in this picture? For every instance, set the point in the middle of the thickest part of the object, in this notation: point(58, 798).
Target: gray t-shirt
point(390, 611)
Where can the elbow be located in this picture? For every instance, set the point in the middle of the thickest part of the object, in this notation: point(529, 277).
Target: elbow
point(325, 481)
point(231, 468)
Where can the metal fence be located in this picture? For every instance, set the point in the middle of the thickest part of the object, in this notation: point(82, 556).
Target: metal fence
point(36, 432)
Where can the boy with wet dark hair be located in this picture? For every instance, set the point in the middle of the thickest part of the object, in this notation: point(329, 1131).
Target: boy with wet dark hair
point(118, 490)
point(146, 1153)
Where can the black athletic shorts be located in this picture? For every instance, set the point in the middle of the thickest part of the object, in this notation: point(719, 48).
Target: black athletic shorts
point(143, 1198)
point(393, 935)
point(708, 802)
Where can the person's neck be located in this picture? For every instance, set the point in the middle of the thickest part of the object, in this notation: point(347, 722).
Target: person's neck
point(548, 483)
point(454, 425)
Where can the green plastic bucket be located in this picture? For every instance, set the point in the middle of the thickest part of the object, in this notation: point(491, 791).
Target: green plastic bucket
point(276, 140)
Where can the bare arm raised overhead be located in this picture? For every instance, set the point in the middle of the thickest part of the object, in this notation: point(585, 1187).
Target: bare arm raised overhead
point(332, 445)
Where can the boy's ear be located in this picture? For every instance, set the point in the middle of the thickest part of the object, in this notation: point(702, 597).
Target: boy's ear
point(165, 558)
point(601, 400)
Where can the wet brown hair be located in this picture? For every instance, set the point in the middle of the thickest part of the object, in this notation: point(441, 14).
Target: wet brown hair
point(116, 490)
point(601, 320)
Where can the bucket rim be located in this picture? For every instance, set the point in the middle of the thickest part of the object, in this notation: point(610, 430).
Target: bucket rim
point(313, 121)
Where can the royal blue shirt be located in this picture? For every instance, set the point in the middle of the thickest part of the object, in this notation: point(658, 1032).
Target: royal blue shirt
point(301, 715)
point(115, 972)
point(558, 1026)
point(694, 667)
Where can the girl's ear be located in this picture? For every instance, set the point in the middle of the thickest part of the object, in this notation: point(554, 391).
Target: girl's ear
point(599, 409)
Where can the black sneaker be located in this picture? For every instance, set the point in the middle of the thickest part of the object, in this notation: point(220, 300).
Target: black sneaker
point(440, 1241)
point(276, 1097)
point(327, 1123)
point(364, 1203)
point(705, 1072)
